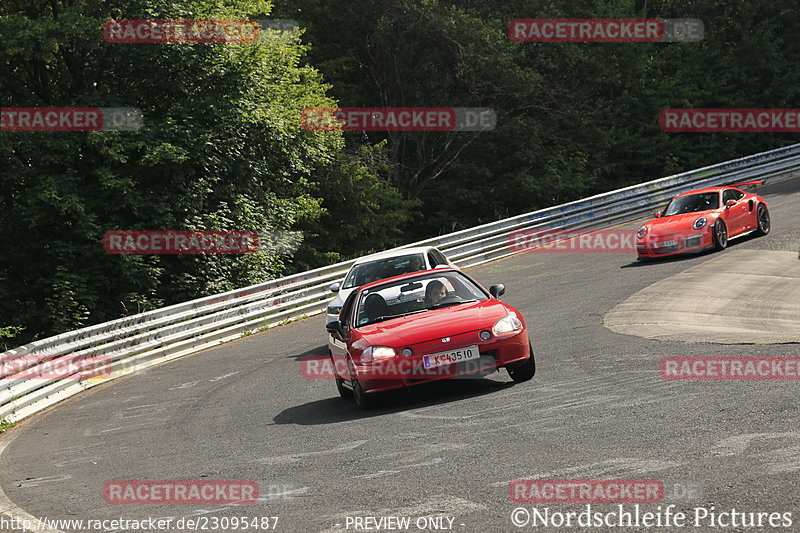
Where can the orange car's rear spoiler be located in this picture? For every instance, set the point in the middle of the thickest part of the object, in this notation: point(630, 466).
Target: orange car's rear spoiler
point(749, 183)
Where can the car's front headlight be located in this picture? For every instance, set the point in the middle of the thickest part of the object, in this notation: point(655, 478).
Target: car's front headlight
point(642, 232)
point(377, 353)
point(506, 325)
point(334, 309)
point(699, 223)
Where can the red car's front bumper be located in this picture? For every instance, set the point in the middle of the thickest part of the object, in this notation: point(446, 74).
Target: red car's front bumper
point(402, 371)
point(674, 244)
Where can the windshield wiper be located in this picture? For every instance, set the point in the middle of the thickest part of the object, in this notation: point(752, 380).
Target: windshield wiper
point(448, 304)
point(387, 317)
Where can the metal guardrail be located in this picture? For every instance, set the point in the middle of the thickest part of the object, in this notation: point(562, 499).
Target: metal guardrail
point(29, 384)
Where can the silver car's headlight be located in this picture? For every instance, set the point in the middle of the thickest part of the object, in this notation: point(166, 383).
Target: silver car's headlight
point(334, 309)
point(506, 325)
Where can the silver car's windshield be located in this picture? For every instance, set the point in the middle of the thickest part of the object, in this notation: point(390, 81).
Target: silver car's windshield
point(383, 268)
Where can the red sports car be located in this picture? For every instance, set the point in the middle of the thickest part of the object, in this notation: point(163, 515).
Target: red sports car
point(702, 219)
point(425, 326)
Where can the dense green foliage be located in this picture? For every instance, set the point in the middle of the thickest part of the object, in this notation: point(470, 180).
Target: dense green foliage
point(573, 118)
point(219, 149)
point(222, 148)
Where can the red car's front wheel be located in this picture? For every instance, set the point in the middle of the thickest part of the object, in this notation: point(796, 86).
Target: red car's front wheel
point(362, 398)
point(523, 370)
point(720, 235)
point(344, 392)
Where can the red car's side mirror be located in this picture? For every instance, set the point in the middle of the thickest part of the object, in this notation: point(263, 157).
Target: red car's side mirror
point(730, 203)
point(335, 327)
point(657, 214)
point(497, 290)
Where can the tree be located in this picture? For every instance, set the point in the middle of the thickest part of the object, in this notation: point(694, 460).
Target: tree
point(573, 118)
point(220, 148)
point(363, 212)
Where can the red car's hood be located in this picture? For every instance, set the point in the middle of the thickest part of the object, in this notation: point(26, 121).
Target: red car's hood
point(678, 223)
point(436, 323)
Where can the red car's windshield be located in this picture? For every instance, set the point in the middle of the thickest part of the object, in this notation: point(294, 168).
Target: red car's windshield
point(694, 202)
point(416, 295)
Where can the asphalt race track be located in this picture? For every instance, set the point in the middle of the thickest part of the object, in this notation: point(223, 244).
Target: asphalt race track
point(597, 408)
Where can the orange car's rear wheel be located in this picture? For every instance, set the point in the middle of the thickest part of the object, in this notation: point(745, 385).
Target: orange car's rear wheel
point(762, 219)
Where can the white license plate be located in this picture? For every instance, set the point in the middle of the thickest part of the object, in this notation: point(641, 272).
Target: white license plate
point(467, 353)
point(664, 244)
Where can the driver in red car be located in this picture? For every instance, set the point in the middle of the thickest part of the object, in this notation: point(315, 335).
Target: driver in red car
point(435, 292)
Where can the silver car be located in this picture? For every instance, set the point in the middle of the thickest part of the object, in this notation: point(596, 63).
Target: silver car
point(381, 266)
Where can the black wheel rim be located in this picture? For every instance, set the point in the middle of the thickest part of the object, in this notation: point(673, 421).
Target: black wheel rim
point(358, 393)
point(722, 234)
point(763, 219)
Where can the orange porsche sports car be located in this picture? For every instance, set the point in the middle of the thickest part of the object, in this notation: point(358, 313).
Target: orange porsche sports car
point(702, 219)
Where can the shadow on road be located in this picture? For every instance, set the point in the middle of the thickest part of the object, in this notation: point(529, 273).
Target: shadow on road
point(335, 409)
point(317, 352)
point(736, 241)
point(662, 260)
